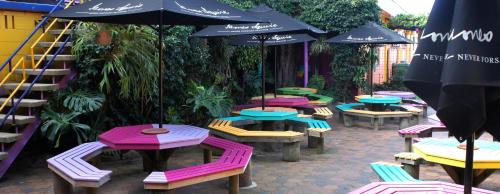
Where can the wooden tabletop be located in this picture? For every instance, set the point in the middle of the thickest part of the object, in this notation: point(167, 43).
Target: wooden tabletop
point(445, 151)
point(133, 138)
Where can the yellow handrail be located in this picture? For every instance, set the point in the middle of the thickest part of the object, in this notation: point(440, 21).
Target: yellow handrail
point(22, 61)
point(33, 65)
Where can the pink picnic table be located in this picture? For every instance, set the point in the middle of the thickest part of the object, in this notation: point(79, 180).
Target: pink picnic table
point(427, 187)
point(284, 102)
point(154, 149)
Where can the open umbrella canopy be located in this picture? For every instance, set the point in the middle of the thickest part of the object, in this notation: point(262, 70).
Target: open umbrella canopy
point(278, 24)
point(157, 12)
point(173, 12)
point(456, 70)
point(370, 33)
point(456, 67)
point(245, 40)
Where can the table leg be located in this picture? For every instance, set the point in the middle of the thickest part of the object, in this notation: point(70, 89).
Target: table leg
point(457, 174)
point(155, 160)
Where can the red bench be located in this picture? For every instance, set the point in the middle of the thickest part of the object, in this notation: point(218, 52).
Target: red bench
point(418, 131)
point(232, 163)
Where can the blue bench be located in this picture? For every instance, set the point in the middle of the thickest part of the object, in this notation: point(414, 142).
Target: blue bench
point(389, 172)
point(349, 106)
point(316, 131)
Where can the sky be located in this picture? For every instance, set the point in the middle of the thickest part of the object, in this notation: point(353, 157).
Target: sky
point(395, 7)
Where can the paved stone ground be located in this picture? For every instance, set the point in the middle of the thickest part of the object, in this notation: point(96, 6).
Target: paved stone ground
point(344, 167)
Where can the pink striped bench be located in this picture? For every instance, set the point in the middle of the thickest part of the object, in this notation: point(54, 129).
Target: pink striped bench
point(418, 131)
point(232, 163)
point(72, 169)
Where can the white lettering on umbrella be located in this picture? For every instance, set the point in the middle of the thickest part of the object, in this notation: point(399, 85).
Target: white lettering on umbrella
point(464, 34)
point(205, 12)
point(257, 26)
point(120, 9)
point(369, 38)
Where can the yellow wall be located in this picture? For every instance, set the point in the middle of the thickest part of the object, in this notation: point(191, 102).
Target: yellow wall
point(15, 26)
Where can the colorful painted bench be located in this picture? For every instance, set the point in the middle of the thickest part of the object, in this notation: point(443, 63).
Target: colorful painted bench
point(377, 118)
point(322, 113)
point(418, 131)
point(232, 163)
point(71, 169)
point(390, 172)
point(417, 103)
point(316, 131)
point(411, 162)
point(290, 139)
point(321, 100)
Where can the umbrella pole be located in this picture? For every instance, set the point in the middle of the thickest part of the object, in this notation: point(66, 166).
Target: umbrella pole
point(263, 73)
point(160, 60)
point(469, 159)
point(275, 71)
point(371, 70)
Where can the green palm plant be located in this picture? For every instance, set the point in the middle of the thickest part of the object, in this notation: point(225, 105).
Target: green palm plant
point(131, 58)
point(83, 101)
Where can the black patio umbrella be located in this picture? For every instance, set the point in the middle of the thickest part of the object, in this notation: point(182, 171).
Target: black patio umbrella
point(279, 24)
point(370, 34)
point(246, 40)
point(456, 70)
point(157, 12)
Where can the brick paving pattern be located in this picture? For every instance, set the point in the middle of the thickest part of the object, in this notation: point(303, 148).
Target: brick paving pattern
point(344, 167)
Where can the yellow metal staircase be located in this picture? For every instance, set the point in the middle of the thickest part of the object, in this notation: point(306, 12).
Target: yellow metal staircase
point(29, 82)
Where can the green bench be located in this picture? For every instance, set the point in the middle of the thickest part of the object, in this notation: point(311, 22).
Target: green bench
point(389, 172)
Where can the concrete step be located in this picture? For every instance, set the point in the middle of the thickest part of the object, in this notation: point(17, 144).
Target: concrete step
point(9, 137)
point(63, 20)
point(58, 44)
point(20, 119)
point(48, 72)
point(36, 87)
point(60, 31)
point(27, 103)
point(3, 155)
point(58, 58)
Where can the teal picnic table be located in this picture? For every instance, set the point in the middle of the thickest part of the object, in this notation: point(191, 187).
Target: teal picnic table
point(378, 102)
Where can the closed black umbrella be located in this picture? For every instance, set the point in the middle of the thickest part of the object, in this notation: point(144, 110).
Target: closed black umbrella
point(456, 70)
point(246, 40)
point(279, 24)
point(157, 12)
point(370, 34)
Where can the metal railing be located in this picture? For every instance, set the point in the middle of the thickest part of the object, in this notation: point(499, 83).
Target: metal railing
point(8, 62)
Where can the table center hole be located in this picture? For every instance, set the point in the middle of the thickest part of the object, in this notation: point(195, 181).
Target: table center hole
point(155, 131)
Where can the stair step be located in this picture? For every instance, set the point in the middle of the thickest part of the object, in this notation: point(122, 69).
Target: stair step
point(48, 72)
point(58, 57)
point(20, 119)
point(63, 20)
point(3, 155)
point(9, 137)
point(27, 103)
point(58, 44)
point(60, 31)
point(36, 87)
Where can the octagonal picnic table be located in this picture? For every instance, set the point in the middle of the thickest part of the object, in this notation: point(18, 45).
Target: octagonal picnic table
point(452, 158)
point(377, 102)
point(269, 113)
point(427, 187)
point(401, 94)
point(283, 101)
point(155, 148)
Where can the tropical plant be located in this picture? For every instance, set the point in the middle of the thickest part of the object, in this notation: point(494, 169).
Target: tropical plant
point(216, 102)
point(59, 121)
point(317, 81)
point(83, 101)
point(131, 58)
point(56, 125)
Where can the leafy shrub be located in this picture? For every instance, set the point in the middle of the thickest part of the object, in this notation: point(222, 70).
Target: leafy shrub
point(317, 81)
